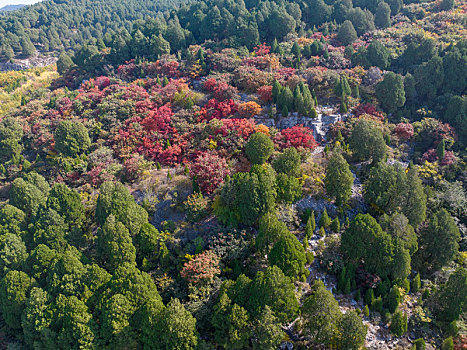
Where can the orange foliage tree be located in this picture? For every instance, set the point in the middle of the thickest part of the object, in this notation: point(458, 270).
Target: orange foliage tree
point(249, 109)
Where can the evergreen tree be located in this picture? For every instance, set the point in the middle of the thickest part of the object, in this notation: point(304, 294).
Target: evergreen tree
point(324, 220)
point(398, 323)
point(441, 150)
point(382, 15)
point(438, 242)
point(367, 141)
point(347, 34)
point(390, 92)
point(267, 330)
point(339, 179)
point(27, 46)
point(64, 63)
point(451, 299)
point(259, 148)
point(288, 254)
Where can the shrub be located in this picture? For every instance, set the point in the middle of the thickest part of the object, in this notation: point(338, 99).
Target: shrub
point(196, 207)
point(448, 344)
point(419, 344)
point(249, 109)
point(71, 138)
point(415, 284)
point(259, 148)
point(202, 268)
point(398, 323)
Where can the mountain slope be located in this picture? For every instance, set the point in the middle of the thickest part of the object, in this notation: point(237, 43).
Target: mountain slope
point(9, 8)
point(63, 24)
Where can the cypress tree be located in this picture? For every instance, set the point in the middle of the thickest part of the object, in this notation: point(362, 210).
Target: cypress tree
point(324, 220)
point(276, 90)
point(441, 150)
point(296, 51)
point(274, 46)
point(415, 285)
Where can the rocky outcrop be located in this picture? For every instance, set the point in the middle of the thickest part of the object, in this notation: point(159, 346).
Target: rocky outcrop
point(319, 125)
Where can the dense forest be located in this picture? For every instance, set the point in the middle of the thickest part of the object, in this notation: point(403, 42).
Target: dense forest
point(234, 175)
point(57, 25)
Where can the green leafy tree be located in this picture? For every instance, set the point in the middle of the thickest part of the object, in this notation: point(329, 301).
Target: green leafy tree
point(67, 203)
point(441, 150)
point(26, 196)
point(248, 196)
point(401, 262)
point(398, 323)
point(288, 254)
point(321, 315)
point(390, 92)
point(71, 138)
point(397, 225)
point(285, 99)
point(36, 318)
point(429, 77)
point(448, 344)
point(13, 253)
point(231, 324)
point(11, 134)
point(159, 46)
point(335, 225)
point(270, 231)
point(50, 229)
point(14, 287)
point(27, 46)
point(367, 141)
point(12, 219)
point(288, 162)
point(176, 328)
point(324, 220)
point(65, 274)
point(365, 241)
point(274, 289)
point(64, 63)
point(289, 188)
point(415, 205)
point(382, 15)
point(259, 148)
point(352, 331)
point(39, 261)
point(339, 179)
point(147, 318)
point(73, 324)
point(115, 327)
point(115, 199)
point(416, 284)
point(267, 331)
point(438, 243)
point(393, 299)
point(451, 299)
point(347, 34)
point(114, 244)
point(362, 20)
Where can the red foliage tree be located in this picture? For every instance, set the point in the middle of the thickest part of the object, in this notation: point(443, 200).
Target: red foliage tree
point(215, 109)
point(367, 108)
point(209, 171)
point(404, 131)
point(265, 93)
point(297, 136)
point(202, 268)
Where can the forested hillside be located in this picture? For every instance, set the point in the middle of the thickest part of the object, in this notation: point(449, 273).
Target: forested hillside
point(56, 25)
point(235, 175)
